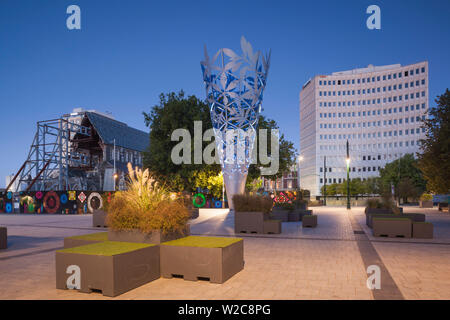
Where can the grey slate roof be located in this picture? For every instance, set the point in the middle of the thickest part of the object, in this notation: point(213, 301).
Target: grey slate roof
point(126, 137)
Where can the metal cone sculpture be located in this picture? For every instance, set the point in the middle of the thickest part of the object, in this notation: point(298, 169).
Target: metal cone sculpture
point(234, 91)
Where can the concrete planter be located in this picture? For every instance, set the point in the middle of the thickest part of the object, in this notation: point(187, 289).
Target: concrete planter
point(280, 214)
point(99, 219)
point(443, 206)
point(392, 227)
point(305, 213)
point(3, 238)
point(370, 216)
point(309, 221)
point(77, 241)
point(194, 213)
point(415, 217)
point(194, 259)
point(249, 222)
point(377, 211)
point(422, 230)
point(154, 237)
point(426, 204)
point(272, 226)
point(294, 216)
point(115, 269)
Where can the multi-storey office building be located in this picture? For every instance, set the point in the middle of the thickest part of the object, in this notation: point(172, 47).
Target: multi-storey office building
point(377, 109)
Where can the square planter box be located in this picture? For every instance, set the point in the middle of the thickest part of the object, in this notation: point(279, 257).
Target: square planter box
point(294, 216)
point(377, 211)
point(415, 217)
point(305, 213)
point(309, 221)
point(155, 237)
point(3, 238)
point(280, 214)
point(370, 216)
point(202, 258)
point(110, 267)
point(422, 230)
point(443, 206)
point(77, 241)
point(99, 219)
point(249, 222)
point(392, 227)
point(272, 226)
point(426, 204)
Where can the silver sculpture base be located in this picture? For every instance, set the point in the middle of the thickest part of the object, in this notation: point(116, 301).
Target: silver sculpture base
point(234, 183)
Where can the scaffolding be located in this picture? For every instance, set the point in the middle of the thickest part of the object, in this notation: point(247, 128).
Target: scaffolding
point(52, 155)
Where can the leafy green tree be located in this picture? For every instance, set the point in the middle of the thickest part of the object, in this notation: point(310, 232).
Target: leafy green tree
point(405, 167)
point(176, 111)
point(435, 157)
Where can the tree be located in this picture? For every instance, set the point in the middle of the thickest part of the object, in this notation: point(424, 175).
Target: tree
point(176, 111)
point(435, 157)
point(287, 152)
point(405, 167)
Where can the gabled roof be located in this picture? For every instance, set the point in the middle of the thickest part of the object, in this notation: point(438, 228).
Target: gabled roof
point(109, 129)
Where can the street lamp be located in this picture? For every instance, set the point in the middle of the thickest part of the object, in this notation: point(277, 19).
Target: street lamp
point(348, 178)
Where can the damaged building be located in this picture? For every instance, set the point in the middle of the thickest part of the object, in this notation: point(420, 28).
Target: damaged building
point(83, 150)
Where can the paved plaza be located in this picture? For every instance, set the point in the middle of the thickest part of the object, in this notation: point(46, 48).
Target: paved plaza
point(328, 262)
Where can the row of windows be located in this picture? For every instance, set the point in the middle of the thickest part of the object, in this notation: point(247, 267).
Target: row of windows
point(370, 124)
point(123, 155)
point(372, 79)
point(385, 111)
point(340, 180)
point(392, 133)
point(379, 146)
point(374, 123)
point(372, 90)
point(374, 101)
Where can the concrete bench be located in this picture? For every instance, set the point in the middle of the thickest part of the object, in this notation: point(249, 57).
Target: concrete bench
point(422, 230)
point(309, 221)
point(99, 219)
point(215, 259)
point(110, 267)
point(77, 241)
point(272, 226)
point(3, 238)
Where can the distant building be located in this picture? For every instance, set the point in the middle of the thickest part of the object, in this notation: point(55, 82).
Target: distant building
point(288, 182)
point(377, 109)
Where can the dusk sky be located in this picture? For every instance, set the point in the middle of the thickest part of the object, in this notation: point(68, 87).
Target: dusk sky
point(128, 52)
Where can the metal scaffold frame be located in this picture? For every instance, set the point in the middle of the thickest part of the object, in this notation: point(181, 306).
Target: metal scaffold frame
point(51, 155)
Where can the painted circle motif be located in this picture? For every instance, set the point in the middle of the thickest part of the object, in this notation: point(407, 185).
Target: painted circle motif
point(72, 195)
point(9, 195)
point(218, 204)
point(8, 207)
point(63, 198)
point(39, 195)
point(51, 202)
point(194, 200)
point(94, 201)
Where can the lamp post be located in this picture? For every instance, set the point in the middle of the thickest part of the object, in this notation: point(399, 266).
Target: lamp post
point(325, 180)
point(114, 161)
point(348, 178)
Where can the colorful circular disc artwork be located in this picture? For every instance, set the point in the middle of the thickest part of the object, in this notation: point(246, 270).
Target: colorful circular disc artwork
point(39, 195)
point(9, 195)
point(94, 201)
point(63, 198)
point(51, 202)
point(8, 207)
point(195, 203)
point(218, 204)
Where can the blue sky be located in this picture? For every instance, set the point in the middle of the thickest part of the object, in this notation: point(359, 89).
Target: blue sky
point(128, 52)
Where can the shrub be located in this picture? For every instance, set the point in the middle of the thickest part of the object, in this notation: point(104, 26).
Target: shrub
point(374, 203)
point(426, 197)
point(252, 203)
point(286, 206)
point(145, 206)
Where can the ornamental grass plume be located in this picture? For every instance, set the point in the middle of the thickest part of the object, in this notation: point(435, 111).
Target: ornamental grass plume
point(146, 205)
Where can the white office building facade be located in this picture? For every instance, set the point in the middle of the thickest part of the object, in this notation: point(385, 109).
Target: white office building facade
point(379, 110)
